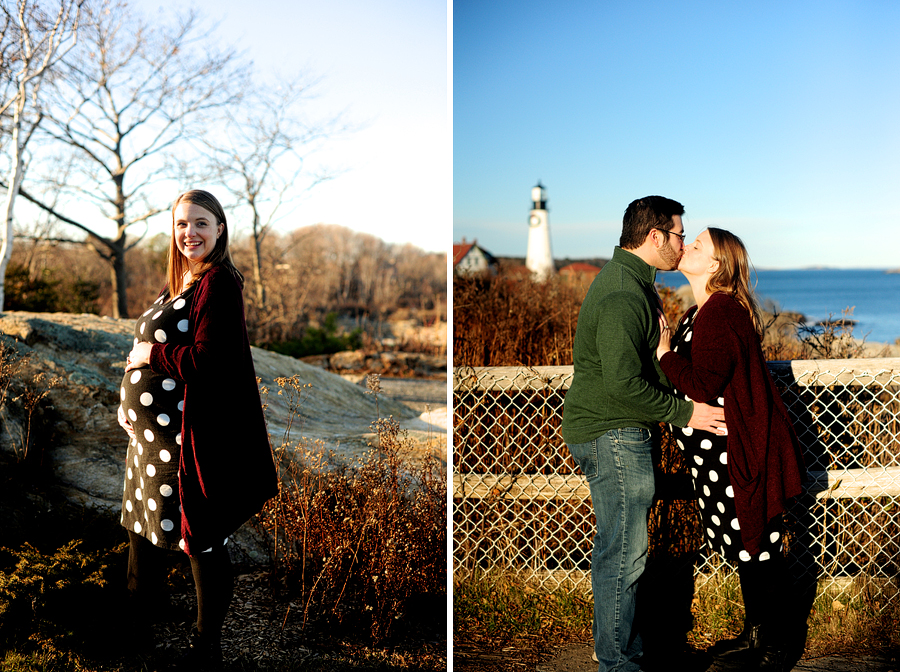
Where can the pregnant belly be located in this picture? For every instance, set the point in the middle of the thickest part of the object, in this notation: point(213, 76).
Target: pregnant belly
point(152, 402)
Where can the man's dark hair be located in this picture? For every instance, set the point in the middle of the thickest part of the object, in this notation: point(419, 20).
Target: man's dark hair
point(650, 212)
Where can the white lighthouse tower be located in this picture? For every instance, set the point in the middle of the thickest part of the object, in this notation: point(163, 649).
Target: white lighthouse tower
point(540, 259)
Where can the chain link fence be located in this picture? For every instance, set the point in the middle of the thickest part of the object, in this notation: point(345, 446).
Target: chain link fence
point(520, 502)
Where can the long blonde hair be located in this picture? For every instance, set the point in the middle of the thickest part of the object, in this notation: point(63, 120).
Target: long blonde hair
point(733, 274)
point(220, 254)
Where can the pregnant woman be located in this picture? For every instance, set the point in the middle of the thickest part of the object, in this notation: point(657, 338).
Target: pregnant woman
point(743, 480)
point(199, 463)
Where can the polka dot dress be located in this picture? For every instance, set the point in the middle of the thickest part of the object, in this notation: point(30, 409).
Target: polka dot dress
point(707, 459)
point(153, 403)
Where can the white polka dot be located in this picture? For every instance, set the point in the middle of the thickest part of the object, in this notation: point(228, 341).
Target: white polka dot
point(130, 473)
point(727, 539)
point(146, 516)
point(151, 504)
point(154, 538)
point(151, 470)
point(694, 472)
point(706, 444)
point(721, 507)
point(680, 444)
point(162, 419)
point(122, 394)
point(137, 527)
point(701, 502)
point(181, 544)
point(698, 460)
point(735, 525)
point(710, 533)
point(713, 476)
point(165, 490)
point(146, 398)
point(138, 495)
point(143, 325)
point(774, 537)
point(688, 335)
point(179, 304)
point(687, 398)
point(132, 415)
point(160, 335)
point(723, 458)
point(722, 400)
point(165, 455)
point(142, 482)
point(716, 521)
point(706, 490)
point(183, 326)
point(136, 463)
point(181, 405)
point(178, 438)
point(156, 315)
point(128, 506)
point(687, 431)
point(147, 312)
point(148, 435)
point(168, 384)
point(675, 348)
point(764, 555)
point(167, 525)
point(729, 491)
point(136, 341)
point(744, 555)
point(135, 376)
point(140, 449)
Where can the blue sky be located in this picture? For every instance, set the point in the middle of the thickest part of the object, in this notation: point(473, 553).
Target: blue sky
point(778, 121)
point(385, 66)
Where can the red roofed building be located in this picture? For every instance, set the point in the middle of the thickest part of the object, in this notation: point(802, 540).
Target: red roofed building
point(470, 259)
point(580, 268)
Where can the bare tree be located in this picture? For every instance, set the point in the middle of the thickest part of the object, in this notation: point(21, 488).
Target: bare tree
point(261, 158)
point(32, 42)
point(133, 94)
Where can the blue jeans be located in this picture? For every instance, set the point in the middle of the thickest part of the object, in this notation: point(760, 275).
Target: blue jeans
point(619, 471)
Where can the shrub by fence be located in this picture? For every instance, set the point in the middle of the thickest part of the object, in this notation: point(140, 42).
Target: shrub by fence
point(519, 501)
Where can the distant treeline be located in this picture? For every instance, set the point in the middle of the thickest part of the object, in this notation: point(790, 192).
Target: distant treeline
point(308, 274)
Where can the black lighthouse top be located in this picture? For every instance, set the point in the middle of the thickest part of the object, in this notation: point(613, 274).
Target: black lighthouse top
point(539, 197)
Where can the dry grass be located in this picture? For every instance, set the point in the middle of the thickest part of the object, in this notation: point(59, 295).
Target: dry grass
point(514, 321)
point(361, 544)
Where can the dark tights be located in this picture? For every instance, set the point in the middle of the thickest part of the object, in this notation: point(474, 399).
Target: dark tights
point(213, 580)
point(764, 586)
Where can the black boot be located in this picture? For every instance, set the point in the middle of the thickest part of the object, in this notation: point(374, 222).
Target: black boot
point(774, 658)
point(749, 639)
point(204, 654)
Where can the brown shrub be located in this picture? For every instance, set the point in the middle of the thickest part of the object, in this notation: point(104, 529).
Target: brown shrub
point(361, 542)
point(514, 321)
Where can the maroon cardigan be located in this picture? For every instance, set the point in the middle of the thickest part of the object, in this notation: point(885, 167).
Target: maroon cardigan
point(226, 472)
point(764, 458)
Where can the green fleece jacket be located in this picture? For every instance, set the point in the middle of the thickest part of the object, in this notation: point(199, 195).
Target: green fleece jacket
point(618, 381)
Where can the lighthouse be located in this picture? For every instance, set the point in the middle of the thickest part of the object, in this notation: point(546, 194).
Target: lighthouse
point(540, 259)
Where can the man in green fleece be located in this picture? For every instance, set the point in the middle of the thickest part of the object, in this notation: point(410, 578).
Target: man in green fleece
point(618, 395)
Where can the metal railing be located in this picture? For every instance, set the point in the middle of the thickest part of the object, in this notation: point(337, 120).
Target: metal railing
point(521, 503)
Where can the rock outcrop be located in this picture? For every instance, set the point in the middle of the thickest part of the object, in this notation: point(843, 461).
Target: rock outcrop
point(79, 438)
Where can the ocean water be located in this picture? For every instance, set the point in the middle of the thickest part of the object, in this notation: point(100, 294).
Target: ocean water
point(818, 293)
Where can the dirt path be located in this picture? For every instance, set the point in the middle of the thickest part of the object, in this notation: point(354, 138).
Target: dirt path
point(577, 658)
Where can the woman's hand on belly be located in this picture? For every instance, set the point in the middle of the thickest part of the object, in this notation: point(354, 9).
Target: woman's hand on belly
point(138, 357)
point(123, 421)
